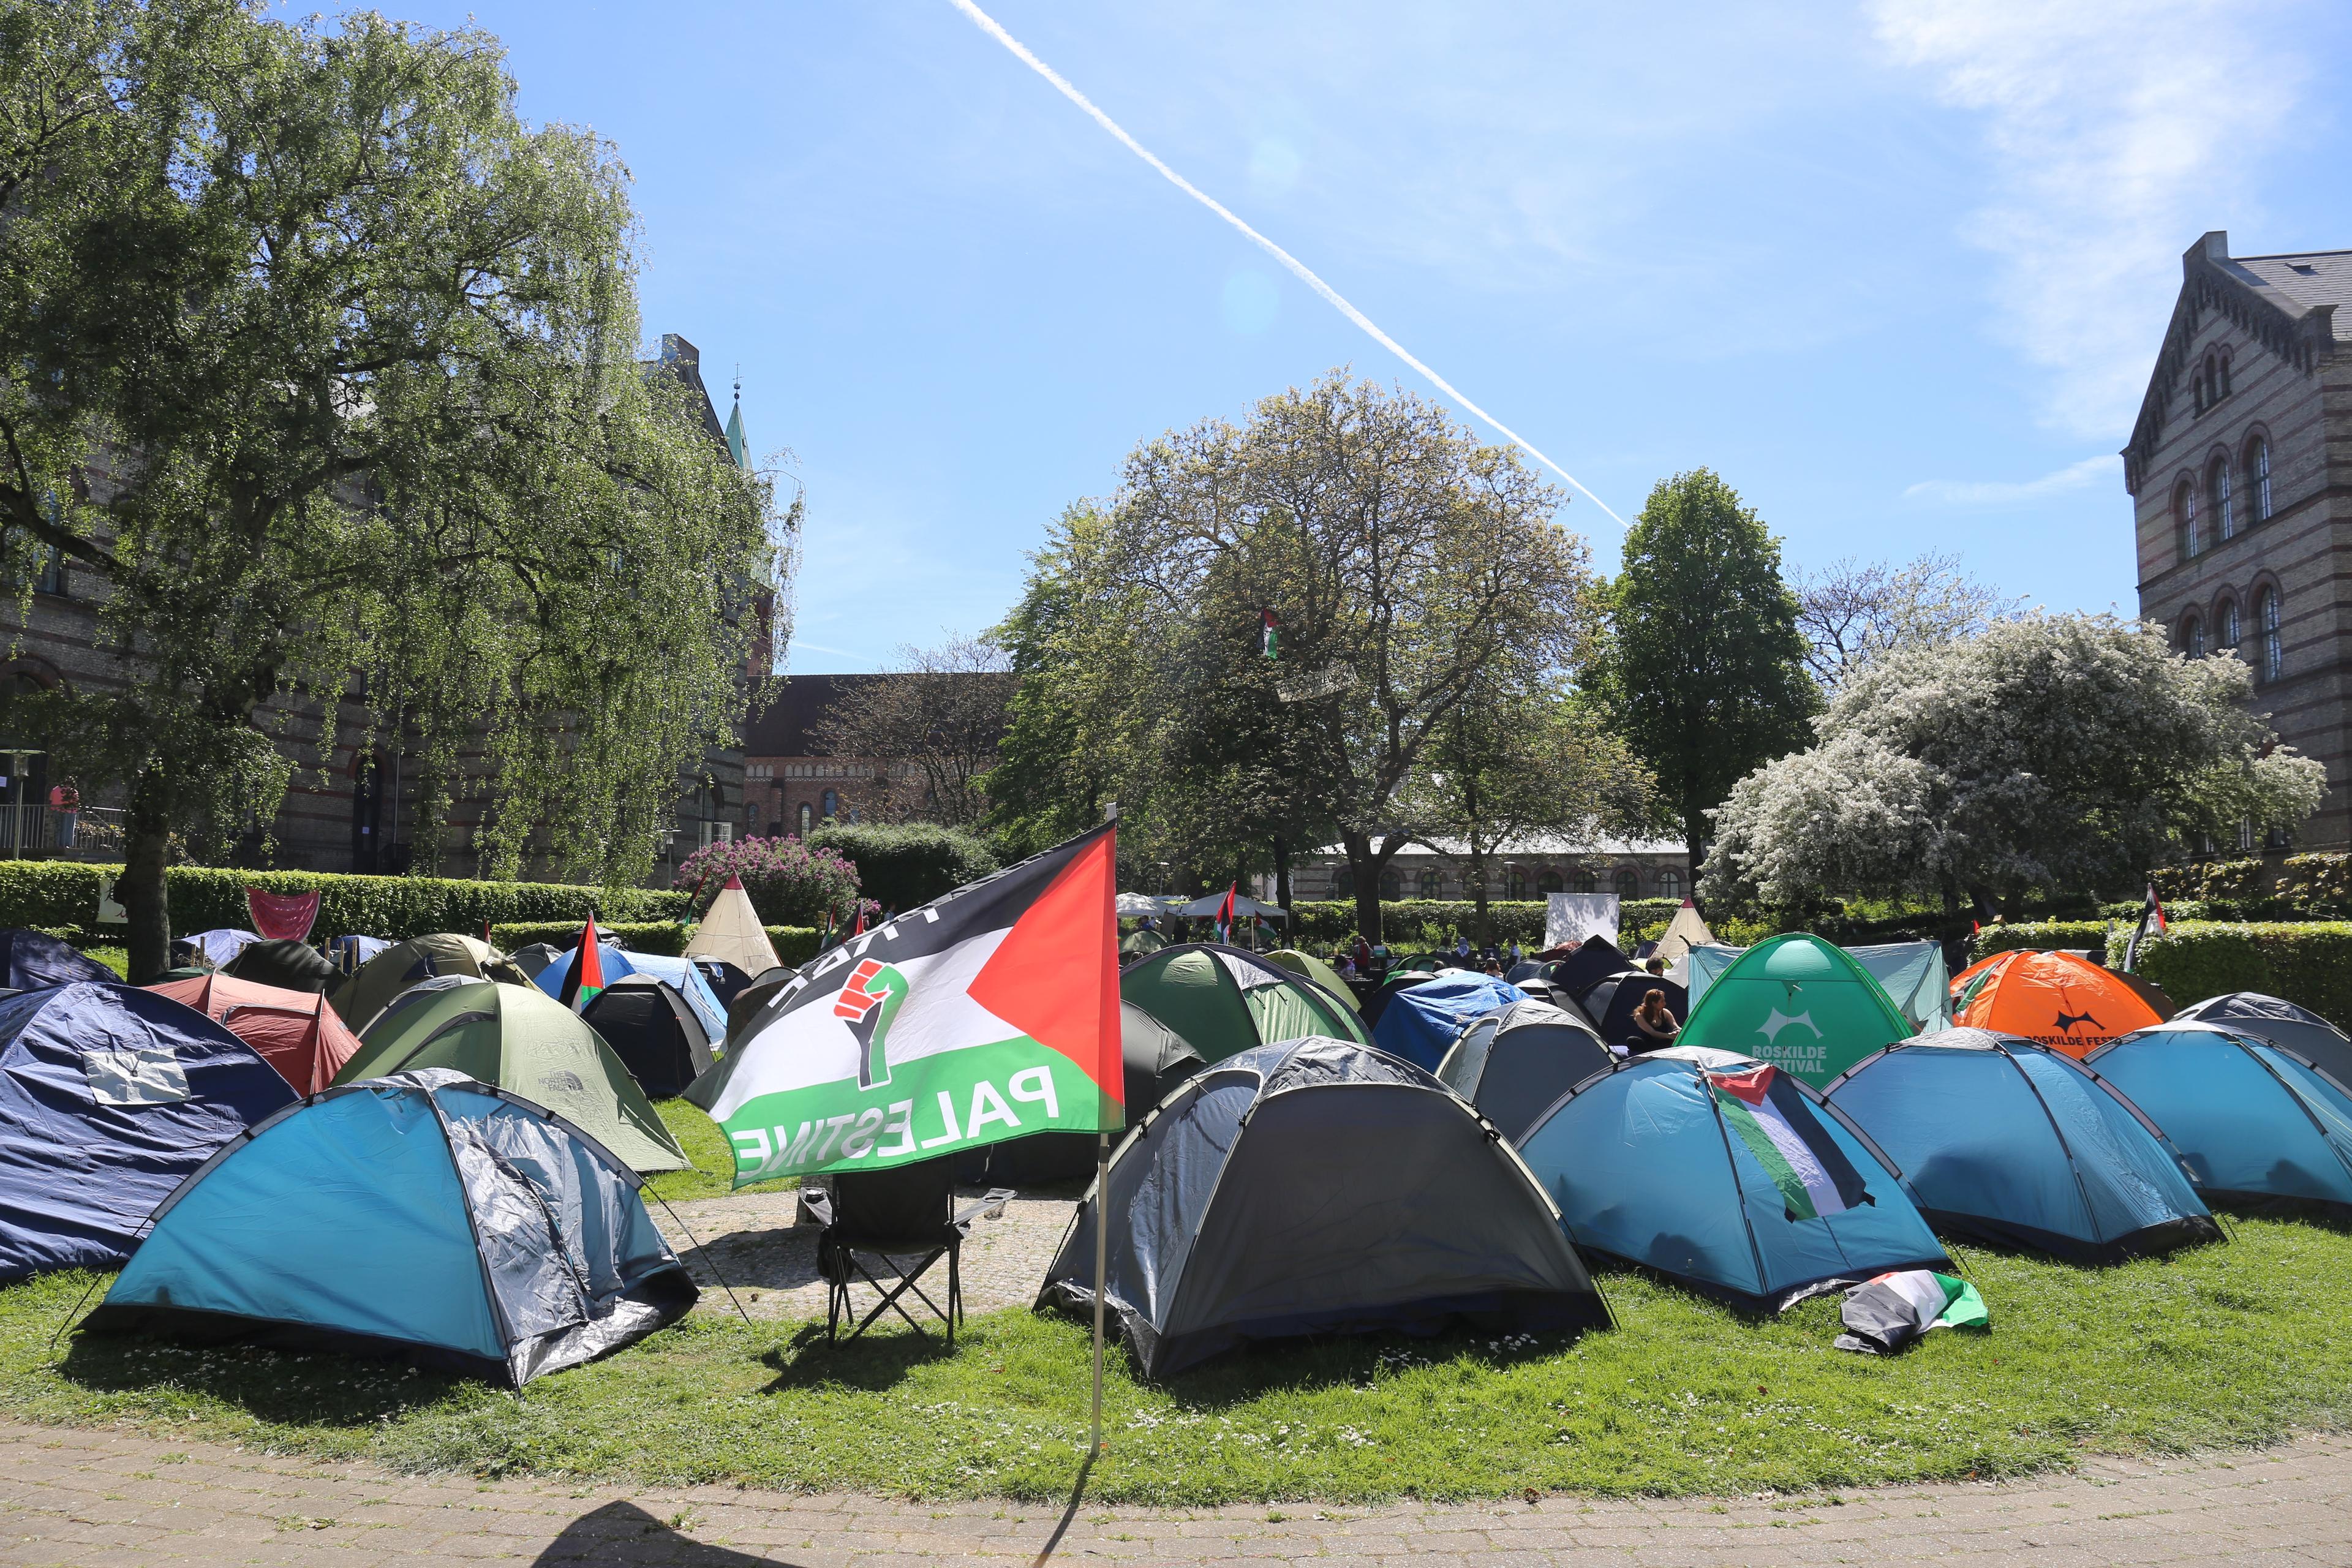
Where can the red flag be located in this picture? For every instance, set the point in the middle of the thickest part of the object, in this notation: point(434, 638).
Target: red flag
point(860, 930)
point(586, 976)
point(1225, 915)
point(284, 917)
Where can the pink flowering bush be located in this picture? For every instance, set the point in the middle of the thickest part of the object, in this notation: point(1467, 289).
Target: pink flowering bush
point(790, 883)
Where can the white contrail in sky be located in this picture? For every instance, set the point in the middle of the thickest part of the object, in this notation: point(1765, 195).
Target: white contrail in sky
point(1299, 269)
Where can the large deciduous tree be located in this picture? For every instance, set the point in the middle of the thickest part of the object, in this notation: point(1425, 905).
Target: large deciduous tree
point(2065, 752)
point(320, 364)
point(1853, 612)
point(1703, 667)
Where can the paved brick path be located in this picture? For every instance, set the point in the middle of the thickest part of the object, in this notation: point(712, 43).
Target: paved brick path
point(96, 1499)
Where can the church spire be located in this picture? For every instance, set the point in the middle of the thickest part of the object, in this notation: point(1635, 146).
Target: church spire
point(736, 445)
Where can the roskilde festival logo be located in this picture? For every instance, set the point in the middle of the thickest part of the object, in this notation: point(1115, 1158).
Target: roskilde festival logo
point(869, 999)
point(2066, 1021)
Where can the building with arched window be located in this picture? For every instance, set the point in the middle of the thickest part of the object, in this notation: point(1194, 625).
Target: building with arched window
point(1532, 869)
point(2238, 513)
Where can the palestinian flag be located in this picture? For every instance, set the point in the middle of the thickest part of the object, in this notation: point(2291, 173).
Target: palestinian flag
point(1269, 640)
point(1225, 915)
point(990, 1014)
point(1886, 1313)
point(2151, 919)
point(1765, 1109)
point(586, 975)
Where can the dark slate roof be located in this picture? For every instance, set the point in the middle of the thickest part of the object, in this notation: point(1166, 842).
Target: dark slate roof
point(2311, 276)
point(684, 361)
point(788, 726)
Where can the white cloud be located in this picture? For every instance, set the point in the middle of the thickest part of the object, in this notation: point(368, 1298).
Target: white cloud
point(2120, 131)
point(2006, 492)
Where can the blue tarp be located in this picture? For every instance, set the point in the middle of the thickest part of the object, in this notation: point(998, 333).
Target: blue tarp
point(32, 959)
point(1421, 1021)
point(109, 1097)
point(422, 1214)
point(1644, 1170)
point(2256, 1124)
point(678, 974)
point(2007, 1143)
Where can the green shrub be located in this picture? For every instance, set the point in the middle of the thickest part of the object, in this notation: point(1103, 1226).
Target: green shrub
point(2307, 962)
point(2038, 936)
point(58, 894)
point(905, 865)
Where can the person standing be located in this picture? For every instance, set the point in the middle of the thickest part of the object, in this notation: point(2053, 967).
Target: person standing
point(65, 808)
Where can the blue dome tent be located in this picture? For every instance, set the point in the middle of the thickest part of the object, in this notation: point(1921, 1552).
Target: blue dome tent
point(1421, 1021)
point(422, 1217)
point(2282, 1023)
point(1727, 1176)
point(30, 959)
point(2009, 1143)
point(2258, 1125)
point(110, 1096)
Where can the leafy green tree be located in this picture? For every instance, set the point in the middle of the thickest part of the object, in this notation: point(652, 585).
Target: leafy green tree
point(1704, 668)
point(2065, 752)
point(320, 366)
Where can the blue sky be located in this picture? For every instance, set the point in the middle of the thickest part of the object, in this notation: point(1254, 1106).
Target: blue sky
point(1896, 271)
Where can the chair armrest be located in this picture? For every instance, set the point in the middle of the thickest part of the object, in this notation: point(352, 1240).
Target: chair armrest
point(989, 1207)
point(815, 1207)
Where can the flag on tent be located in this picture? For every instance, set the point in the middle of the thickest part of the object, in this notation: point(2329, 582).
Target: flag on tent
point(1888, 1312)
point(1269, 640)
point(1225, 915)
point(992, 1012)
point(1770, 1116)
point(586, 976)
point(282, 917)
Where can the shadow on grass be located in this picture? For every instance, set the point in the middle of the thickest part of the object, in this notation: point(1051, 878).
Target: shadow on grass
point(875, 1363)
point(315, 1388)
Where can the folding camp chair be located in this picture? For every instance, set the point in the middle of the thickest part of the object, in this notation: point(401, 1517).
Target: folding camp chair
point(907, 1212)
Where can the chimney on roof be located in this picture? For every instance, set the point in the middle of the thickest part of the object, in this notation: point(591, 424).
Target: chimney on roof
point(677, 350)
point(2211, 246)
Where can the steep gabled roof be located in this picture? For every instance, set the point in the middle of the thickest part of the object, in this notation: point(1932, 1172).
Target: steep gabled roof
point(2287, 303)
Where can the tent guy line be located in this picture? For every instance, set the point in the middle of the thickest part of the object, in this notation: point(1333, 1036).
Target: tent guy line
point(1296, 267)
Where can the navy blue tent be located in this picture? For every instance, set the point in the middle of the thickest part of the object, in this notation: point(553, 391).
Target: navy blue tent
point(2259, 1126)
point(110, 1096)
point(1421, 1021)
point(1647, 1169)
point(2009, 1143)
point(32, 959)
point(2282, 1023)
point(422, 1217)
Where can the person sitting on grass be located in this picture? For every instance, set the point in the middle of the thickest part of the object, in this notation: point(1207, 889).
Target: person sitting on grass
point(1657, 1021)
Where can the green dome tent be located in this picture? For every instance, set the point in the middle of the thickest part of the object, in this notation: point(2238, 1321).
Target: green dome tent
point(359, 996)
point(1799, 1002)
point(1221, 1000)
point(521, 1039)
point(1315, 969)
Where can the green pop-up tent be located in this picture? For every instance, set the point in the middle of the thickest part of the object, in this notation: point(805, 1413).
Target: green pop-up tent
point(1912, 972)
point(523, 1040)
point(1221, 1000)
point(1799, 1002)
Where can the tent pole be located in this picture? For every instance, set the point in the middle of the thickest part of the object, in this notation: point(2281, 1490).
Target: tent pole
point(1102, 1255)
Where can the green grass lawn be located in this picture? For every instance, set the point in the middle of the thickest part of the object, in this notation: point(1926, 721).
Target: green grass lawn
point(714, 1160)
point(116, 958)
point(2231, 1344)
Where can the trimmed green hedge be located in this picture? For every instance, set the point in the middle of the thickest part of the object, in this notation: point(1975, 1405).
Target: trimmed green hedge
point(56, 894)
point(2308, 962)
point(1427, 923)
point(903, 866)
point(794, 945)
point(2038, 936)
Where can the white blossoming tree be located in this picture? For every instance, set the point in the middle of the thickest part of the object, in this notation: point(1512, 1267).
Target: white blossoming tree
point(2055, 752)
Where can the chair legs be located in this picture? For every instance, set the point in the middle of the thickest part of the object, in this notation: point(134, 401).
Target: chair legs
point(839, 1309)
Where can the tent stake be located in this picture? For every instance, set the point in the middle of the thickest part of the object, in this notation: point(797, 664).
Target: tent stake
point(99, 1278)
point(707, 1258)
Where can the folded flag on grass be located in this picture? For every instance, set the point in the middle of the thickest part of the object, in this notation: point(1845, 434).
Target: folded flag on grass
point(1767, 1113)
point(1886, 1313)
point(992, 1012)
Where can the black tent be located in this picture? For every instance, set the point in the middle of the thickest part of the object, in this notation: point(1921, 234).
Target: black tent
point(535, 957)
point(1611, 1004)
point(32, 960)
point(1377, 1003)
point(1156, 1060)
point(1317, 1186)
point(1588, 967)
point(2298, 1029)
point(653, 1031)
point(1524, 969)
point(1513, 1065)
point(726, 980)
point(745, 1004)
point(286, 965)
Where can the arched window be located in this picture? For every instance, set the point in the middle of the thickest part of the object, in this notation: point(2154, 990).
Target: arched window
point(1431, 884)
point(805, 815)
point(1670, 883)
point(2225, 627)
point(2266, 612)
point(832, 807)
point(1343, 884)
point(1391, 885)
point(2225, 522)
point(2258, 464)
point(1516, 881)
point(1627, 882)
point(2222, 388)
point(2192, 635)
point(1550, 882)
point(2184, 519)
point(1586, 882)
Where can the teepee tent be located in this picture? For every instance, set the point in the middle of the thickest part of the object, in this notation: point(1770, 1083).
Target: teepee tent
point(1687, 930)
point(1799, 1002)
point(423, 1217)
point(295, 1031)
point(730, 930)
point(522, 1040)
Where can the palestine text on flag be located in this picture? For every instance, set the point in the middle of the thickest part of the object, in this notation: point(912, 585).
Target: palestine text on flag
point(1767, 1113)
point(990, 1014)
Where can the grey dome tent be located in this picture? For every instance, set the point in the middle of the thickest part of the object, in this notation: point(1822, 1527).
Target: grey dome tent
point(1610, 1006)
point(422, 1217)
point(1317, 1186)
point(286, 965)
point(535, 956)
point(656, 1035)
point(2299, 1029)
point(1514, 1064)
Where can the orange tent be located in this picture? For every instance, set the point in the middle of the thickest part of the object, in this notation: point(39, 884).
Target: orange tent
point(295, 1031)
point(2055, 999)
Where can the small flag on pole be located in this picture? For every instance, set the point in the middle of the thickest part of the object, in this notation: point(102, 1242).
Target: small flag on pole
point(2151, 918)
point(859, 930)
point(586, 975)
point(1269, 639)
point(1225, 915)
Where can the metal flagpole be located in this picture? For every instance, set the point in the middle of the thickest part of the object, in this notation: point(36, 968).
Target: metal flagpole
point(1102, 1254)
